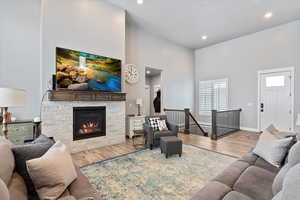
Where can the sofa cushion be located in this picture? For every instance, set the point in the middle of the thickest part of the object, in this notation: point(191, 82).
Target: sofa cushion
point(278, 196)
point(4, 194)
point(249, 158)
point(17, 188)
point(293, 159)
point(158, 134)
point(231, 174)
point(271, 149)
point(265, 165)
point(256, 183)
point(81, 187)
point(26, 152)
point(233, 195)
point(290, 188)
point(212, 191)
point(7, 167)
point(53, 172)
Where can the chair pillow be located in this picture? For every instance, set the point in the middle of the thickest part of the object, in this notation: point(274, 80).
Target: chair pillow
point(26, 152)
point(4, 194)
point(53, 172)
point(7, 167)
point(293, 159)
point(271, 149)
point(162, 125)
point(154, 123)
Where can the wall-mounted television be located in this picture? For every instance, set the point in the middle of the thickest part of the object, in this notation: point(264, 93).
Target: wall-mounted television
point(84, 71)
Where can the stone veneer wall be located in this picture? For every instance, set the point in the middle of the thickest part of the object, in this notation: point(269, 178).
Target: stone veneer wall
point(57, 121)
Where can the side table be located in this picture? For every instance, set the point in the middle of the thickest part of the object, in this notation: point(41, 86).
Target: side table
point(138, 133)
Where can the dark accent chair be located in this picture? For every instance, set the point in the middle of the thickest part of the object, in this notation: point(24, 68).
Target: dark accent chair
point(152, 138)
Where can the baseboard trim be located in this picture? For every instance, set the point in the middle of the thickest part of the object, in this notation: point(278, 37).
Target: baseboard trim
point(204, 123)
point(249, 129)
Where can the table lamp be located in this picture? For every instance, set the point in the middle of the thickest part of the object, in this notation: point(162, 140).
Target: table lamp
point(139, 102)
point(10, 97)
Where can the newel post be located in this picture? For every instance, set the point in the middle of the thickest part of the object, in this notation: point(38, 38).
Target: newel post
point(187, 121)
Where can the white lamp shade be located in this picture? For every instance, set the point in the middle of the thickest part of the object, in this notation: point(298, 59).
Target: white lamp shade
point(298, 120)
point(139, 101)
point(10, 97)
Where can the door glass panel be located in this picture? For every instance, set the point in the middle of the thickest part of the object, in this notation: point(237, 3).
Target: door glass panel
point(275, 81)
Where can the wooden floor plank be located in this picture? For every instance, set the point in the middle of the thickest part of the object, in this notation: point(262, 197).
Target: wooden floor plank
point(235, 144)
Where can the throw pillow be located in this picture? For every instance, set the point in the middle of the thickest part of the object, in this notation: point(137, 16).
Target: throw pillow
point(162, 125)
point(271, 149)
point(4, 194)
point(273, 130)
point(26, 152)
point(279, 134)
point(154, 124)
point(293, 159)
point(41, 139)
point(53, 172)
point(7, 167)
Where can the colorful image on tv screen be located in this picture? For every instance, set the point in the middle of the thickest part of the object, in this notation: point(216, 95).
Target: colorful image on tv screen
point(82, 71)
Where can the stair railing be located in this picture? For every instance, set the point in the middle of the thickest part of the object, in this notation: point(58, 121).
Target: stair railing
point(183, 119)
point(224, 122)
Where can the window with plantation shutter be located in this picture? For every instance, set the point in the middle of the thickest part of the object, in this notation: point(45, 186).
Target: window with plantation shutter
point(213, 95)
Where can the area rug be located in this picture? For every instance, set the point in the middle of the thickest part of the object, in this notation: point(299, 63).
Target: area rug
point(148, 175)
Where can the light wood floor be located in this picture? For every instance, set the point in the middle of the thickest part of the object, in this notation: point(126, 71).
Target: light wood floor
point(235, 144)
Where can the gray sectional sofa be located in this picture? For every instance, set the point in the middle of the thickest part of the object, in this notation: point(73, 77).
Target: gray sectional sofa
point(252, 178)
point(13, 174)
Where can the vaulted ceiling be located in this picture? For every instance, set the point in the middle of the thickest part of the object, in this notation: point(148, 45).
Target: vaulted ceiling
point(186, 21)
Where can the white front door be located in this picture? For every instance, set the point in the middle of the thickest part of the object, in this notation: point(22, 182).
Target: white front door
point(276, 99)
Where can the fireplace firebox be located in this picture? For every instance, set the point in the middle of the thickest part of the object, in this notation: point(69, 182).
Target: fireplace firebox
point(89, 122)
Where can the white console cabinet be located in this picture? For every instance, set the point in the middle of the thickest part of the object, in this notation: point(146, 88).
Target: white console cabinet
point(134, 123)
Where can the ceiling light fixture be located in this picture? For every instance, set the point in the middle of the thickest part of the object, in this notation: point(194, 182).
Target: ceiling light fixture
point(140, 2)
point(268, 15)
point(148, 72)
point(204, 37)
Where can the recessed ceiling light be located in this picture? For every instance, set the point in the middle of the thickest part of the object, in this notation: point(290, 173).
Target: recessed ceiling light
point(140, 2)
point(204, 37)
point(148, 72)
point(268, 15)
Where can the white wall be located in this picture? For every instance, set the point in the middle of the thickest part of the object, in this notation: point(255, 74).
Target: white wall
point(176, 63)
point(20, 52)
point(91, 26)
point(241, 58)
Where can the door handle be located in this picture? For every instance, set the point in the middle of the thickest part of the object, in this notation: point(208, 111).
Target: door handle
point(262, 107)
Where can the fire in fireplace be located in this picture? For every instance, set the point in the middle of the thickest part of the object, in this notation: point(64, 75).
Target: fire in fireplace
point(89, 122)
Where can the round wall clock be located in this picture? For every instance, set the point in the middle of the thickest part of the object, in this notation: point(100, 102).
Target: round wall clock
point(131, 74)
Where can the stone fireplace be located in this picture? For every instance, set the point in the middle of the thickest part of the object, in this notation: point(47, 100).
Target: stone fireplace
point(101, 122)
point(89, 122)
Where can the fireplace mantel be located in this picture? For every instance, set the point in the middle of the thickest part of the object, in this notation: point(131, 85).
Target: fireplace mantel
point(91, 95)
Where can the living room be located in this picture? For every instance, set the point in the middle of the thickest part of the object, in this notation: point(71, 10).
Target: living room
point(209, 56)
